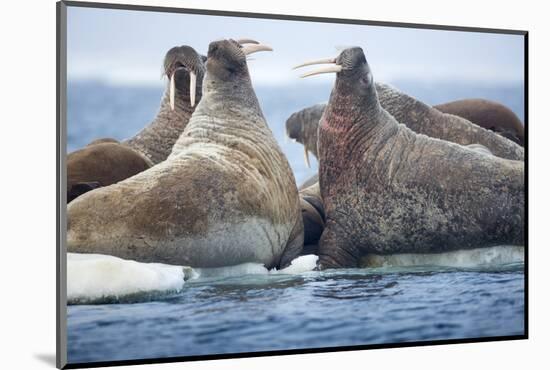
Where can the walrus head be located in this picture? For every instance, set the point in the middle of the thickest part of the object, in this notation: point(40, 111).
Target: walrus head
point(302, 127)
point(354, 86)
point(295, 130)
point(184, 68)
point(295, 127)
point(227, 58)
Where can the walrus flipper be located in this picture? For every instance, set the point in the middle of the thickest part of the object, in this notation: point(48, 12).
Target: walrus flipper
point(335, 251)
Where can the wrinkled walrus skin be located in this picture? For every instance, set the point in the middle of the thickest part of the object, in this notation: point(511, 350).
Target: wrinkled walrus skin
point(225, 196)
point(416, 115)
point(313, 210)
point(389, 190)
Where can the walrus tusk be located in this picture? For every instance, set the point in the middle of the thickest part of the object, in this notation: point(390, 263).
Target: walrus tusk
point(318, 61)
point(330, 69)
point(192, 88)
point(247, 41)
point(249, 49)
point(306, 157)
point(172, 90)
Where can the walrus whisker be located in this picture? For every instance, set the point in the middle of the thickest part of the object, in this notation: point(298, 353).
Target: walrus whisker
point(246, 41)
point(330, 69)
point(192, 87)
point(318, 61)
point(249, 49)
point(172, 90)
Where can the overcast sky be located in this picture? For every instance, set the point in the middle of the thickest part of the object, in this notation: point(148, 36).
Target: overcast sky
point(124, 47)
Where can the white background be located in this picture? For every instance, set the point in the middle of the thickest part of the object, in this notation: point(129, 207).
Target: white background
point(27, 186)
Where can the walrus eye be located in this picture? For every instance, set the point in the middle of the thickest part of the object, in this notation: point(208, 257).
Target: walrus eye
point(366, 79)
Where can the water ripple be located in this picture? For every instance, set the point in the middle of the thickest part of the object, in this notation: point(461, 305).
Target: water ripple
point(333, 308)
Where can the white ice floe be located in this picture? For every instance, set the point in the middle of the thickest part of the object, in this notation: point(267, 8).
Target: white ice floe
point(96, 278)
point(299, 265)
point(472, 258)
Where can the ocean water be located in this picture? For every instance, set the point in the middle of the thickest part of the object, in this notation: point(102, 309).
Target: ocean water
point(122, 310)
point(251, 310)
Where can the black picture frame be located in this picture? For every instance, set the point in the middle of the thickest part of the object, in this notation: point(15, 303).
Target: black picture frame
point(61, 122)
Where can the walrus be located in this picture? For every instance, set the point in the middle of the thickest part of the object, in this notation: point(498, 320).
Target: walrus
point(101, 163)
point(313, 217)
point(487, 114)
point(387, 189)
point(313, 210)
point(225, 196)
point(419, 117)
point(184, 68)
point(302, 126)
point(111, 161)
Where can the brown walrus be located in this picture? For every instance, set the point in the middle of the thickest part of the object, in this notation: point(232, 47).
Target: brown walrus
point(184, 68)
point(313, 210)
point(488, 114)
point(302, 126)
point(313, 216)
point(225, 196)
point(101, 163)
point(106, 161)
point(389, 190)
point(421, 118)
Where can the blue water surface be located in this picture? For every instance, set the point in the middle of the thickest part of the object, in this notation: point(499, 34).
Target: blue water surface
point(311, 310)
